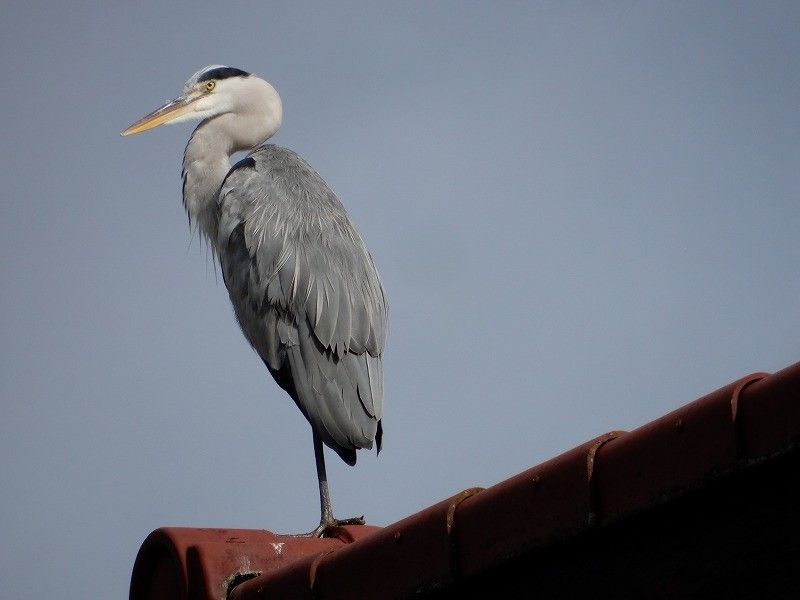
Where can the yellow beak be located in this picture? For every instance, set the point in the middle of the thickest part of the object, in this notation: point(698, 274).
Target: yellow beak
point(169, 112)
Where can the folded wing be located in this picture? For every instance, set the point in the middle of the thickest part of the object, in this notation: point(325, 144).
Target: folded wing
point(306, 294)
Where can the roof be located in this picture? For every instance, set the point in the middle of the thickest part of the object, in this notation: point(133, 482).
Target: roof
point(702, 498)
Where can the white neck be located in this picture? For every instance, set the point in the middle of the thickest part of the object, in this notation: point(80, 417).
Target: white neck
point(249, 115)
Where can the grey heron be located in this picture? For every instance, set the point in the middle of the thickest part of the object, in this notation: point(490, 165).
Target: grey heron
point(304, 288)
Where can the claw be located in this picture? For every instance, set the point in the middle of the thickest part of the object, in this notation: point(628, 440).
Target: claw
point(325, 528)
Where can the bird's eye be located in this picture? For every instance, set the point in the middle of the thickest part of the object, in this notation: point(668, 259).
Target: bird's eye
point(210, 85)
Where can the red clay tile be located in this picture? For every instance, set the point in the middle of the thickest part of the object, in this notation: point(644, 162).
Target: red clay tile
point(549, 502)
point(206, 563)
point(672, 454)
point(770, 413)
point(369, 568)
point(605, 480)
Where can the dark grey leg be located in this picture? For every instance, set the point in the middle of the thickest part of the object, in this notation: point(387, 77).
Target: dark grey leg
point(326, 511)
point(327, 519)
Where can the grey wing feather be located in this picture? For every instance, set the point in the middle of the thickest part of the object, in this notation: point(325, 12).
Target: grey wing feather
point(306, 294)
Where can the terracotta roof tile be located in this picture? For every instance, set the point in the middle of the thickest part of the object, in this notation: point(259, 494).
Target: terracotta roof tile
point(593, 489)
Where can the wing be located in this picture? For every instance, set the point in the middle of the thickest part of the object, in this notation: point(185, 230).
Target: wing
point(306, 294)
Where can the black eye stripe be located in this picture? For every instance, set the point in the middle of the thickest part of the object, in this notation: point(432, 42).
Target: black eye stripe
point(222, 73)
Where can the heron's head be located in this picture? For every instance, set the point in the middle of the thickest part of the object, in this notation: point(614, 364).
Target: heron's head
point(215, 91)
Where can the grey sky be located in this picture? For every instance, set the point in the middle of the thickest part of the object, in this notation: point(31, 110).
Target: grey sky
point(584, 217)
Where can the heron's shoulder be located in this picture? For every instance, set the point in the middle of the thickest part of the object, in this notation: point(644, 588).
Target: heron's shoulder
point(285, 172)
point(265, 157)
point(274, 157)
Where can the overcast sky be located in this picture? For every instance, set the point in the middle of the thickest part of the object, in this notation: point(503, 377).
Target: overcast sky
point(584, 217)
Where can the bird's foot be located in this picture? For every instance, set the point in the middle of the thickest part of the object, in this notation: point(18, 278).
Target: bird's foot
point(326, 527)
